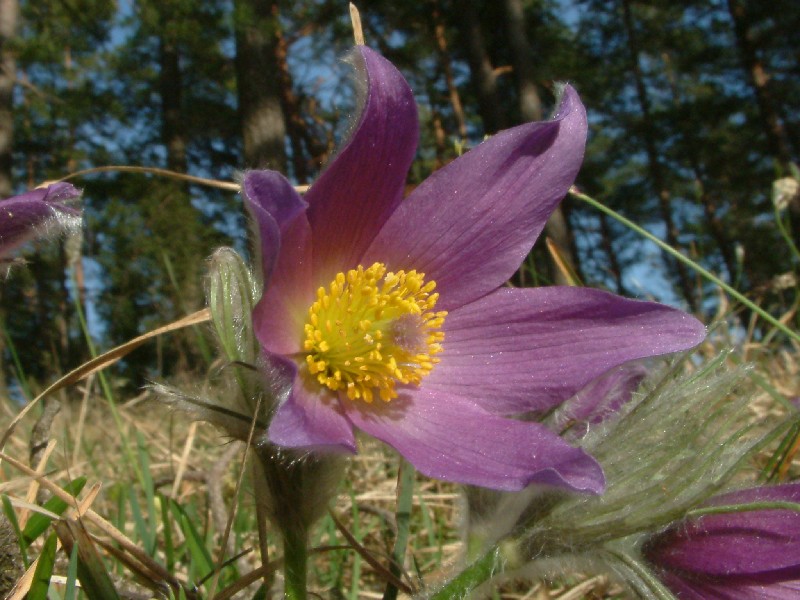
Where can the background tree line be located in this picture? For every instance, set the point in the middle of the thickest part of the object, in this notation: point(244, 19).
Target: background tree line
point(693, 110)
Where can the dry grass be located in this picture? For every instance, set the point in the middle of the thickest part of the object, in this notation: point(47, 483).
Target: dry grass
point(184, 462)
point(181, 455)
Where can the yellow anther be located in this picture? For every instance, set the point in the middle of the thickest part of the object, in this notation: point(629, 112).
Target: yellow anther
point(380, 329)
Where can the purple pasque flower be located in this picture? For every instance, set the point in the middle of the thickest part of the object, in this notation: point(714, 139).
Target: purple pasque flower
point(389, 315)
point(35, 213)
point(734, 555)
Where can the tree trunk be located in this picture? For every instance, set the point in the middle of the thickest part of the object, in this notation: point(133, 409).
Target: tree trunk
point(295, 125)
point(172, 130)
point(447, 69)
point(482, 73)
point(9, 12)
point(758, 79)
point(438, 106)
point(657, 177)
point(257, 73)
point(174, 197)
point(607, 242)
point(704, 196)
point(778, 140)
point(530, 104)
point(530, 108)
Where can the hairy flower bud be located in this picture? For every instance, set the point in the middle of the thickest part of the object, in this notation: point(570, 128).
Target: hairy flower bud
point(744, 544)
point(291, 487)
point(676, 444)
point(237, 397)
point(231, 294)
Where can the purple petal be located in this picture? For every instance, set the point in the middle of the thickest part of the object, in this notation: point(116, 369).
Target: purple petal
point(693, 590)
point(783, 590)
point(57, 193)
point(451, 438)
point(731, 588)
point(23, 217)
point(470, 224)
point(364, 183)
point(602, 398)
point(789, 492)
point(756, 544)
point(688, 587)
point(311, 417)
point(285, 239)
point(272, 191)
point(268, 236)
point(520, 350)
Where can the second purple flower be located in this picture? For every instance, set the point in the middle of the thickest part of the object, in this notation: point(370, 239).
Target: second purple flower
point(745, 555)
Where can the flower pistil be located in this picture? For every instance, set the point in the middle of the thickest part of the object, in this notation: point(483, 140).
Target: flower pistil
point(372, 329)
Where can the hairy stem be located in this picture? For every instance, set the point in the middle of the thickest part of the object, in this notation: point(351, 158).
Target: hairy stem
point(295, 564)
point(493, 563)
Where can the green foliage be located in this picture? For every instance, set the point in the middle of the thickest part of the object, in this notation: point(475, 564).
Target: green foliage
point(38, 523)
point(44, 569)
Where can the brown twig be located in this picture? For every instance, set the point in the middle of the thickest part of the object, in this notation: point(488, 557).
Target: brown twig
point(371, 560)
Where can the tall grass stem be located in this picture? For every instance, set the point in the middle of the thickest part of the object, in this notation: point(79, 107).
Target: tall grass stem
point(688, 262)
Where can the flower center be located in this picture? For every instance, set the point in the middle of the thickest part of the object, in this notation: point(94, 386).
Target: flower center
point(372, 329)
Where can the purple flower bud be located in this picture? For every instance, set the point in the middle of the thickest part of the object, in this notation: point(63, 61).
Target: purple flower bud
point(745, 555)
point(601, 399)
point(36, 213)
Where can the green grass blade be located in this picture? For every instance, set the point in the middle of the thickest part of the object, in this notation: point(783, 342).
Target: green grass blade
point(782, 456)
point(70, 593)
point(92, 573)
point(357, 560)
point(127, 453)
point(141, 527)
point(405, 497)
point(169, 551)
point(430, 528)
point(708, 275)
point(201, 558)
point(44, 569)
point(149, 490)
point(202, 343)
point(122, 505)
point(19, 372)
point(38, 523)
point(8, 510)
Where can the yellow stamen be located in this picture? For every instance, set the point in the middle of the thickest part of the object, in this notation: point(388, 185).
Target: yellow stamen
point(371, 330)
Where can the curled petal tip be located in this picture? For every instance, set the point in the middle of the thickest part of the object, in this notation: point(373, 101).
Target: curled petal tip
point(363, 184)
point(579, 472)
point(61, 191)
